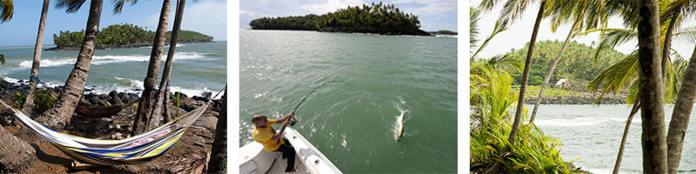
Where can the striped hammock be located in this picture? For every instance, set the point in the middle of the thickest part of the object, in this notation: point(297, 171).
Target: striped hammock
point(137, 149)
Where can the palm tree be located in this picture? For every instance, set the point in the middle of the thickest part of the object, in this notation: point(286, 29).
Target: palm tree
point(147, 105)
point(651, 88)
point(59, 115)
point(29, 103)
point(23, 155)
point(218, 161)
point(687, 92)
point(585, 14)
point(164, 83)
point(512, 10)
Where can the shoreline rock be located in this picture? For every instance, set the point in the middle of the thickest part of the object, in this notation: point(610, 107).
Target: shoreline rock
point(578, 100)
point(136, 45)
point(381, 31)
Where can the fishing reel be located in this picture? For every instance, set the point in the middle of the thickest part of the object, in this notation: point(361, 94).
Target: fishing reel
point(293, 120)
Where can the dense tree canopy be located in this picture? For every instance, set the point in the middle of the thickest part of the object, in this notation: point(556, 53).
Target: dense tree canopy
point(124, 35)
point(576, 64)
point(372, 17)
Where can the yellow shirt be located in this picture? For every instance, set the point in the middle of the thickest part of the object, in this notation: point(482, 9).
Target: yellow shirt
point(264, 135)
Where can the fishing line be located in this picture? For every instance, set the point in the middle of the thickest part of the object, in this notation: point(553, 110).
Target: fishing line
point(293, 120)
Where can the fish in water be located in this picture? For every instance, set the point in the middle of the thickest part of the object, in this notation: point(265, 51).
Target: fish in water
point(400, 121)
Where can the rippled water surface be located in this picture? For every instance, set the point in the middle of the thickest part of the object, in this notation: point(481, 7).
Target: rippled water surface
point(354, 125)
point(196, 67)
point(593, 134)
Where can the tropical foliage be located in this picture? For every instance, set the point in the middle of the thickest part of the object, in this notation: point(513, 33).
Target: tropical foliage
point(491, 122)
point(575, 65)
point(43, 99)
point(124, 35)
point(372, 16)
point(308, 22)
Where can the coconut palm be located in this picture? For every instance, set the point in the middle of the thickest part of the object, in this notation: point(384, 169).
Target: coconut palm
point(161, 98)
point(23, 155)
point(651, 88)
point(29, 103)
point(144, 120)
point(585, 14)
point(59, 115)
point(512, 10)
point(687, 92)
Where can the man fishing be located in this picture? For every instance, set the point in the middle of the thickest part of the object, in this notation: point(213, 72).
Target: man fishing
point(271, 140)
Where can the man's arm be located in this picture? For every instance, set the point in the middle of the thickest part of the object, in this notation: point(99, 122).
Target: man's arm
point(280, 132)
point(282, 120)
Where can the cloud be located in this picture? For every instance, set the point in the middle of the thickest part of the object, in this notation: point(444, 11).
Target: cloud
point(331, 5)
point(435, 8)
point(209, 18)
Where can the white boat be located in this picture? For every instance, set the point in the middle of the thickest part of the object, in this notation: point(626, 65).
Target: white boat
point(253, 159)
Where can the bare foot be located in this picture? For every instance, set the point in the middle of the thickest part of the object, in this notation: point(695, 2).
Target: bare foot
point(294, 170)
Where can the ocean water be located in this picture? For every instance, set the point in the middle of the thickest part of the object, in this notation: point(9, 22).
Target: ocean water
point(197, 67)
point(354, 125)
point(593, 134)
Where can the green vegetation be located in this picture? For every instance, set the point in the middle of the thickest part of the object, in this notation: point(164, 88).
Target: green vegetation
point(446, 32)
point(577, 64)
point(492, 100)
point(43, 99)
point(376, 17)
point(308, 22)
point(533, 91)
point(124, 35)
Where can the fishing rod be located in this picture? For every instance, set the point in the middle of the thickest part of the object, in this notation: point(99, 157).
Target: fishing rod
point(293, 120)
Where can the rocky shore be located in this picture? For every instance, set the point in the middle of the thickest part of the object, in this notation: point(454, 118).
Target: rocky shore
point(190, 155)
point(585, 99)
point(136, 45)
point(382, 31)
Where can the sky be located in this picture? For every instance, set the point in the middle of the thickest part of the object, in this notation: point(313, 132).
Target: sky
point(433, 14)
point(205, 16)
point(520, 32)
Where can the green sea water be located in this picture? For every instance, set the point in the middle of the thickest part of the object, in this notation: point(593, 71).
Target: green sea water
point(196, 67)
point(354, 125)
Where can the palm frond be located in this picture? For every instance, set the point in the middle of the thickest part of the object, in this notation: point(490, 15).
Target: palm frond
point(474, 17)
point(6, 10)
point(2, 58)
point(118, 5)
point(72, 6)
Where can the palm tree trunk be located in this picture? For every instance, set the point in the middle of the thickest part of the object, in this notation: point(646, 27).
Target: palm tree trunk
point(28, 107)
point(617, 165)
point(59, 115)
point(552, 68)
point(651, 87)
point(17, 155)
point(668, 44)
point(164, 94)
point(143, 118)
point(218, 162)
point(496, 168)
point(681, 115)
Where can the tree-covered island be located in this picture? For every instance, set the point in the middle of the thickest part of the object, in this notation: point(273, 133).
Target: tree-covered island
point(123, 36)
point(375, 18)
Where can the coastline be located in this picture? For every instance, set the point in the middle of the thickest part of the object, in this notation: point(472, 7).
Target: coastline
point(585, 99)
point(137, 45)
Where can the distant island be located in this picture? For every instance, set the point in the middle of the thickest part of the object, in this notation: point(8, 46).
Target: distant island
point(122, 36)
point(377, 19)
point(443, 32)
